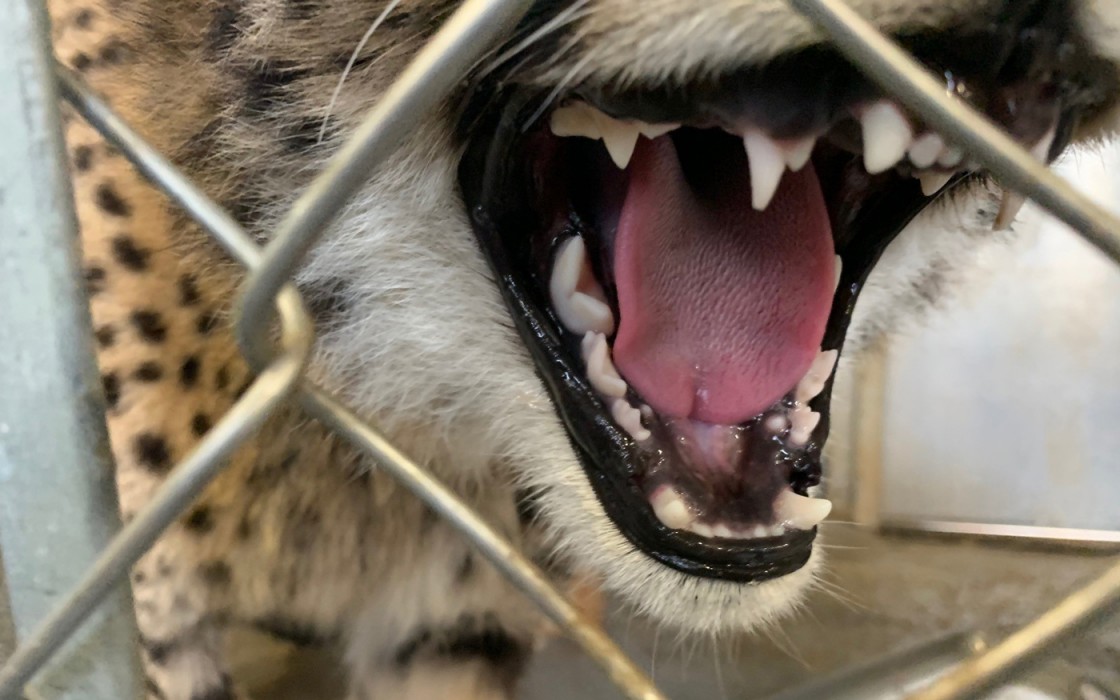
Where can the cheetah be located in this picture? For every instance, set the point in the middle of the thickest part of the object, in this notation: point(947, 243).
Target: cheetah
point(600, 292)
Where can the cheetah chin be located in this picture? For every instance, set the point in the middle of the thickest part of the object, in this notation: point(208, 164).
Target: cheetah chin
point(681, 229)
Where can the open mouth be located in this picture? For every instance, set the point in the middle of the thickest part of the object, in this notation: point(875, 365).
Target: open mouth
point(683, 260)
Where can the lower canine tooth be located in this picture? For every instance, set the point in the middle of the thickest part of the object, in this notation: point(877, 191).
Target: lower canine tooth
point(600, 370)
point(579, 311)
point(1009, 208)
point(670, 508)
point(800, 512)
point(933, 182)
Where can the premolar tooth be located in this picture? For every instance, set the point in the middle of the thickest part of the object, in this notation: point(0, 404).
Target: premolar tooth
point(814, 380)
point(670, 508)
point(797, 153)
point(802, 424)
point(925, 150)
point(933, 182)
point(702, 529)
point(767, 165)
point(600, 370)
point(886, 136)
point(721, 530)
point(653, 131)
point(776, 423)
point(951, 157)
point(800, 512)
point(576, 119)
point(629, 419)
point(620, 138)
point(839, 269)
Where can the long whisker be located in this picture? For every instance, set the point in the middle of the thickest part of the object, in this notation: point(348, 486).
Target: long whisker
point(350, 64)
point(569, 15)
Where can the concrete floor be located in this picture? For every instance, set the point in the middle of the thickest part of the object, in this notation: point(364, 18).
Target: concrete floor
point(881, 594)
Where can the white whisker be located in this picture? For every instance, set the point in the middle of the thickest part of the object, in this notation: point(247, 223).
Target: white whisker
point(569, 15)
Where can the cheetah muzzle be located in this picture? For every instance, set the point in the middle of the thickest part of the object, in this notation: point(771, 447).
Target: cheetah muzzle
point(682, 259)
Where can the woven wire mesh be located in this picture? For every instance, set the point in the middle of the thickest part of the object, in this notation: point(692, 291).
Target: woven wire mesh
point(475, 27)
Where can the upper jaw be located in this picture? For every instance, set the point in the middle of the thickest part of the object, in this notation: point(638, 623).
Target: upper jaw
point(866, 211)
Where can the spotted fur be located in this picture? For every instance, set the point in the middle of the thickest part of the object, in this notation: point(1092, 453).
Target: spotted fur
point(300, 535)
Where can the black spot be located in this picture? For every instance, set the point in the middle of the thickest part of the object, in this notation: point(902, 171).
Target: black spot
point(200, 424)
point(111, 202)
point(243, 388)
point(105, 336)
point(81, 62)
point(466, 569)
point(216, 573)
point(221, 379)
point(244, 528)
point(188, 291)
point(158, 652)
point(302, 9)
point(292, 631)
point(111, 385)
point(152, 689)
point(223, 30)
point(189, 371)
point(267, 85)
point(113, 52)
point(83, 158)
point(470, 639)
point(126, 252)
point(152, 452)
point(138, 577)
point(95, 279)
point(326, 298)
point(200, 520)
point(149, 324)
point(207, 322)
point(148, 372)
point(304, 135)
point(83, 18)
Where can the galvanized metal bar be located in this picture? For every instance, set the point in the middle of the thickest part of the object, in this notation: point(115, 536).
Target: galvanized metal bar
point(907, 81)
point(522, 572)
point(1089, 606)
point(435, 71)
point(58, 505)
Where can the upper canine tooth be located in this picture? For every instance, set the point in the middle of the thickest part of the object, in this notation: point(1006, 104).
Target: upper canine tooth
point(670, 508)
point(886, 136)
point(767, 164)
point(620, 138)
point(814, 380)
point(799, 512)
point(797, 153)
point(933, 182)
point(600, 370)
point(925, 150)
point(579, 311)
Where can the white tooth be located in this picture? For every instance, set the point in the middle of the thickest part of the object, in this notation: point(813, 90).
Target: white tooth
point(629, 419)
point(839, 269)
point(802, 424)
point(701, 529)
point(1041, 150)
point(576, 119)
point(600, 370)
point(589, 314)
point(620, 138)
point(886, 136)
point(653, 131)
point(925, 150)
point(797, 153)
point(760, 531)
point(670, 508)
point(951, 157)
point(567, 268)
point(814, 380)
point(1009, 208)
point(799, 512)
point(767, 164)
point(722, 530)
point(933, 182)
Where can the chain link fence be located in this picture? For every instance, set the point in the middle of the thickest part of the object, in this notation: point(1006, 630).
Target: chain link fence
point(45, 554)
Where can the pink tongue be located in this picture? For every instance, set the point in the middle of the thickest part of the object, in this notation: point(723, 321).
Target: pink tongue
point(723, 308)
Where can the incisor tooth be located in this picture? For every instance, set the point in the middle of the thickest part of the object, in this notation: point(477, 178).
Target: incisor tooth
point(799, 512)
point(767, 164)
point(600, 370)
point(670, 508)
point(620, 138)
point(933, 182)
point(886, 136)
point(925, 150)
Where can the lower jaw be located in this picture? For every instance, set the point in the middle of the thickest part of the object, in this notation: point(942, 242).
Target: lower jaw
point(613, 464)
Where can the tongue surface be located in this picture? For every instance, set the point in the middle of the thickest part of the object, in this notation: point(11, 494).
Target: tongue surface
point(722, 308)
